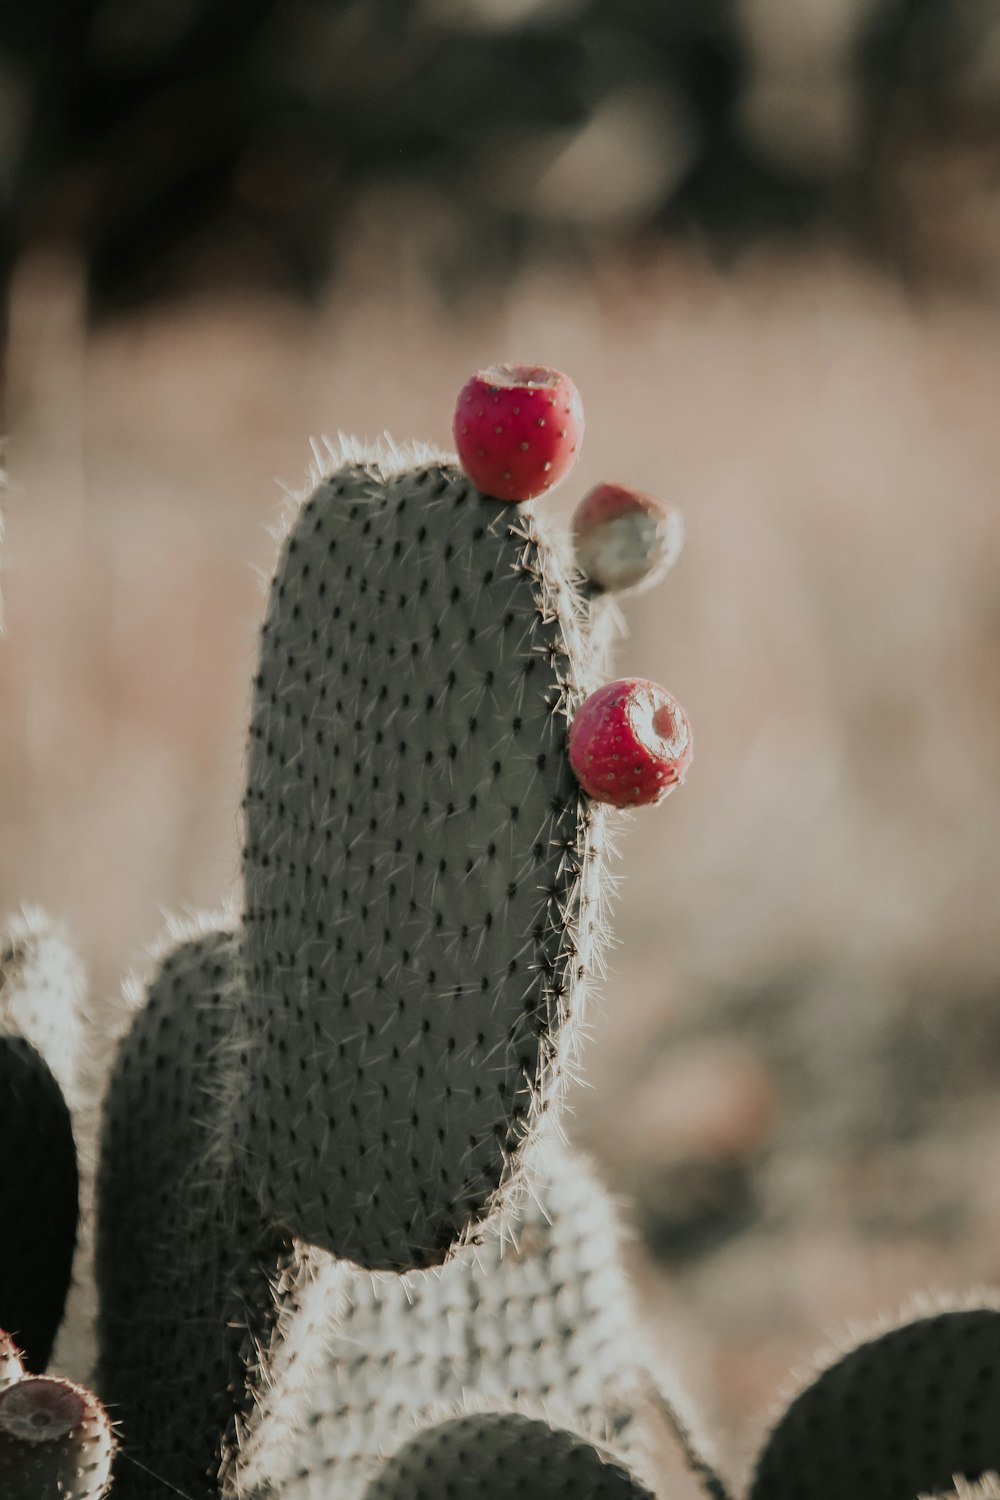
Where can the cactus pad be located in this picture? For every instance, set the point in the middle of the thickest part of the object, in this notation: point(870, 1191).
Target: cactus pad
point(987, 1488)
point(502, 1456)
point(185, 1265)
point(898, 1416)
point(538, 1315)
point(39, 1190)
point(55, 1442)
point(420, 866)
point(42, 992)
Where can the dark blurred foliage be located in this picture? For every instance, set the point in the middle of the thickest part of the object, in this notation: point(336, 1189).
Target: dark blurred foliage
point(184, 141)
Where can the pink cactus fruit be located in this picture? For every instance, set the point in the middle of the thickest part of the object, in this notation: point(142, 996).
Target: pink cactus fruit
point(56, 1441)
point(518, 429)
point(630, 743)
point(625, 540)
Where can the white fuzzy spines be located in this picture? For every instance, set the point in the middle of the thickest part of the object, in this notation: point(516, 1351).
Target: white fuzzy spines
point(538, 1317)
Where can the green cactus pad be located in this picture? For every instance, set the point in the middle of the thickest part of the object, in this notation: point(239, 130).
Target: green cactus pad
point(537, 1316)
point(502, 1456)
point(898, 1416)
point(55, 1442)
point(421, 867)
point(39, 1194)
point(986, 1488)
point(186, 1269)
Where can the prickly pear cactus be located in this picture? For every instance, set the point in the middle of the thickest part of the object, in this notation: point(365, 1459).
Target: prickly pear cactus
point(899, 1415)
point(186, 1263)
point(56, 1441)
point(42, 995)
point(39, 1180)
point(506, 1456)
point(359, 1069)
point(420, 868)
point(987, 1488)
point(538, 1315)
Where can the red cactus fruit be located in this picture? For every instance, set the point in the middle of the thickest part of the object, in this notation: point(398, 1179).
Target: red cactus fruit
point(630, 743)
point(518, 429)
point(625, 540)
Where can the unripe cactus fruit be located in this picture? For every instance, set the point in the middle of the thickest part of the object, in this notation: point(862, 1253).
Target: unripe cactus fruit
point(518, 429)
point(625, 540)
point(11, 1368)
point(503, 1456)
point(630, 743)
point(56, 1442)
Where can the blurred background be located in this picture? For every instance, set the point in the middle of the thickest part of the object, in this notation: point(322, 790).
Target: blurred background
point(763, 236)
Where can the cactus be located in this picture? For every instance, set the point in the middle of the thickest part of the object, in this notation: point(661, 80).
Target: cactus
point(341, 1246)
point(504, 1455)
point(42, 993)
point(987, 1488)
point(337, 1104)
point(357, 1070)
point(421, 868)
point(898, 1415)
point(537, 1316)
point(175, 1231)
point(39, 1180)
point(56, 1441)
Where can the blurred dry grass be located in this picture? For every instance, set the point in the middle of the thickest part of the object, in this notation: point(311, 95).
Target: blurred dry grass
point(799, 1039)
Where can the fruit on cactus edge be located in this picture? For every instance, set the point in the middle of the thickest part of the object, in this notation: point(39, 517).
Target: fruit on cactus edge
point(625, 539)
point(518, 429)
point(630, 743)
point(55, 1441)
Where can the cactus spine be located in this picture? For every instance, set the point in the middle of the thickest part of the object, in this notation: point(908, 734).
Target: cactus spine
point(362, 1065)
point(536, 1317)
point(900, 1414)
point(55, 1441)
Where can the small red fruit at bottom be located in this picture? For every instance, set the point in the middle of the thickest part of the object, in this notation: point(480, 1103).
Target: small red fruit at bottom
point(518, 429)
point(630, 743)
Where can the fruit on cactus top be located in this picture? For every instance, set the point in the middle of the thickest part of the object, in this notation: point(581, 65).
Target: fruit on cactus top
point(630, 743)
point(55, 1441)
point(625, 540)
point(518, 429)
